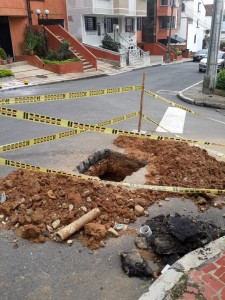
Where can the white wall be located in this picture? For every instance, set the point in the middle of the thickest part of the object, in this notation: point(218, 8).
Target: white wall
point(196, 27)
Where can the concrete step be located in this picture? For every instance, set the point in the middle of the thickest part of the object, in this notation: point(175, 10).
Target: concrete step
point(89, 70)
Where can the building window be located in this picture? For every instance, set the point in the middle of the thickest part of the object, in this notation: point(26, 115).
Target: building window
point(199, 5)
point(139, 23)
point(90, 23)
point(164, 22)
point(183, 7)
point(197, 23)
point(129, 25)
point(109, 24)
point(164, 2)
point(194, 38)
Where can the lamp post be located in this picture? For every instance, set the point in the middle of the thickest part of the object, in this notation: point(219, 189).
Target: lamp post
point(169, 38)
point(116, 29)
point(46, 13)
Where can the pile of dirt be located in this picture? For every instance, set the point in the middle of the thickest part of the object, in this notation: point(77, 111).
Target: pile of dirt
point(38, 205)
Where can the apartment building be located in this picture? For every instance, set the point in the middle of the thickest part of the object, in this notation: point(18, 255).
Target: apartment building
point(17, 14)
point(193, 24)
point(90, 20)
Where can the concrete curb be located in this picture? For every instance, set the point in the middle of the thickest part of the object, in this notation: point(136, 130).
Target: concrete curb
point(201, 256)
point(90, 77)
point(186, 99)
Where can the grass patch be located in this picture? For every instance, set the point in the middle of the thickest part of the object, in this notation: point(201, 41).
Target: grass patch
point(6, 73)
point(59, 62)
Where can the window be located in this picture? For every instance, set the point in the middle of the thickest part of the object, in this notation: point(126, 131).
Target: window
point(164, 2)
point(129, 25)
point(90, 23)
point(197, 23)
point(164, 22)
point(183, 7)
point(139, 23)
point(110, 23)
point(199, 5)
point(194, 38)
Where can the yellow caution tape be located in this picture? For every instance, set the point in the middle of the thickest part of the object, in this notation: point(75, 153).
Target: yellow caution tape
point(69, 96)
point(61, 135)
point(150, 93)
point(172, 189)
point(22, 115)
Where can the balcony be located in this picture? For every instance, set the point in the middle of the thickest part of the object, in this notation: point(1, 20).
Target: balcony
point(121, 7)
point(141, 8)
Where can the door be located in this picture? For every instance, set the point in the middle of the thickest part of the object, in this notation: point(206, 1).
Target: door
point(5, 36)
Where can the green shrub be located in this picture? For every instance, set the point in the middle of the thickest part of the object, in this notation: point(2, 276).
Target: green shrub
point(5, 73)
point(60, 54)
point(109, 44)
point(58, 62)
point(220, 80)
point(35, 41)
point(3, 54)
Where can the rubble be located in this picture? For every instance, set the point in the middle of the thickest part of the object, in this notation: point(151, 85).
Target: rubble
point(134, 265)
point(174, 236)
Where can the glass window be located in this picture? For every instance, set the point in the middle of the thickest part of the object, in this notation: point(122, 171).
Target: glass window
point(90, 23)
point(164, 22)
point(139, 23)
point(165, 2)
point(109, 24)
point(129, 25)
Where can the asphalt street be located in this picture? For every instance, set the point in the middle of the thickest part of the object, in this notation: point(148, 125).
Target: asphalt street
point(57, 271)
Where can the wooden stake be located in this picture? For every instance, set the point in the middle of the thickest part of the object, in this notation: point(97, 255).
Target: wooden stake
point(141, 103)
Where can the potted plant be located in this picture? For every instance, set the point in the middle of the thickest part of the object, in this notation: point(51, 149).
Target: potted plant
point(3, 56)
point(30, 42)
point(9, 59)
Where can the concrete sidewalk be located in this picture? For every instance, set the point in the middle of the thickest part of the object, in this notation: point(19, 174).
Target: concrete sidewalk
point(194, 95)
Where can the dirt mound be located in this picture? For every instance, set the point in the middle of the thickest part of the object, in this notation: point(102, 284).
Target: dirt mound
point(38, 205)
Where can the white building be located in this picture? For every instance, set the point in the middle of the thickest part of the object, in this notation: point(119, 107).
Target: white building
point(90, 20)
point(193, 24)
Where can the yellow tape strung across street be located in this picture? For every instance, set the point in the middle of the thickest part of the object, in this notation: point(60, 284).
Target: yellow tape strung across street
point(16, 164)
point(151, 121)
point(61, 135)
point(150, 93)
point(22, 115)
point(69, 96)
point(156, 96)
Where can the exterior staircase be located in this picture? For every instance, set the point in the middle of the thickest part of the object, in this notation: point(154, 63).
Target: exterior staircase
point(78, 49)
point(135, 55)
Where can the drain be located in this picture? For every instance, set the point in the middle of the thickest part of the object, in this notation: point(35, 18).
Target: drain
point(110, 165)
point(41, 76)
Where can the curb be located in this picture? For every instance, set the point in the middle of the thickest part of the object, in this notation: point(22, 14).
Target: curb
point(89, 77)
point(160, 288)
point(186, 99)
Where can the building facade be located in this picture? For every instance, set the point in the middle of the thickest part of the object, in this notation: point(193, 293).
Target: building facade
point(17, 14)
point(193, 24)
point(90, 20)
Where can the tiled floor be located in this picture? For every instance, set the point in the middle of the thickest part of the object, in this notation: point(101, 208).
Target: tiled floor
point(206, 283)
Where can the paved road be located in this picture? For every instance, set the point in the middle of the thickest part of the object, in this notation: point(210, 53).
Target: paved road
point(55, 271)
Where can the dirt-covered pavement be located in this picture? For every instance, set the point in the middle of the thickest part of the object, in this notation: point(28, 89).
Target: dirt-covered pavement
point(37, 205)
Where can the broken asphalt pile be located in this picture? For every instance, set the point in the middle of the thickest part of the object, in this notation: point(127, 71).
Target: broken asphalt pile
point(37, 205)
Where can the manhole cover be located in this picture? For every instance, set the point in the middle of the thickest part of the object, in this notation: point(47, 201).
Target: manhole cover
point(41, 76)
point(110, 165)
point(168, 92)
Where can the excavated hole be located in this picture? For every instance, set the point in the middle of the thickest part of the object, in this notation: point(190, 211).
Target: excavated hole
point(110, 165)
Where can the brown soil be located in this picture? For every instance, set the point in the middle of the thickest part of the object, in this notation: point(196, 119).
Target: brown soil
point(36, 202)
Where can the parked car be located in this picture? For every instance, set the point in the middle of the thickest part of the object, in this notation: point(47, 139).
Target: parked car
point(200, 54)
point(220, 62)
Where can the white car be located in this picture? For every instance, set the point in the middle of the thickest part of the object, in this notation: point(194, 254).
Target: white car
point(220, 62)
